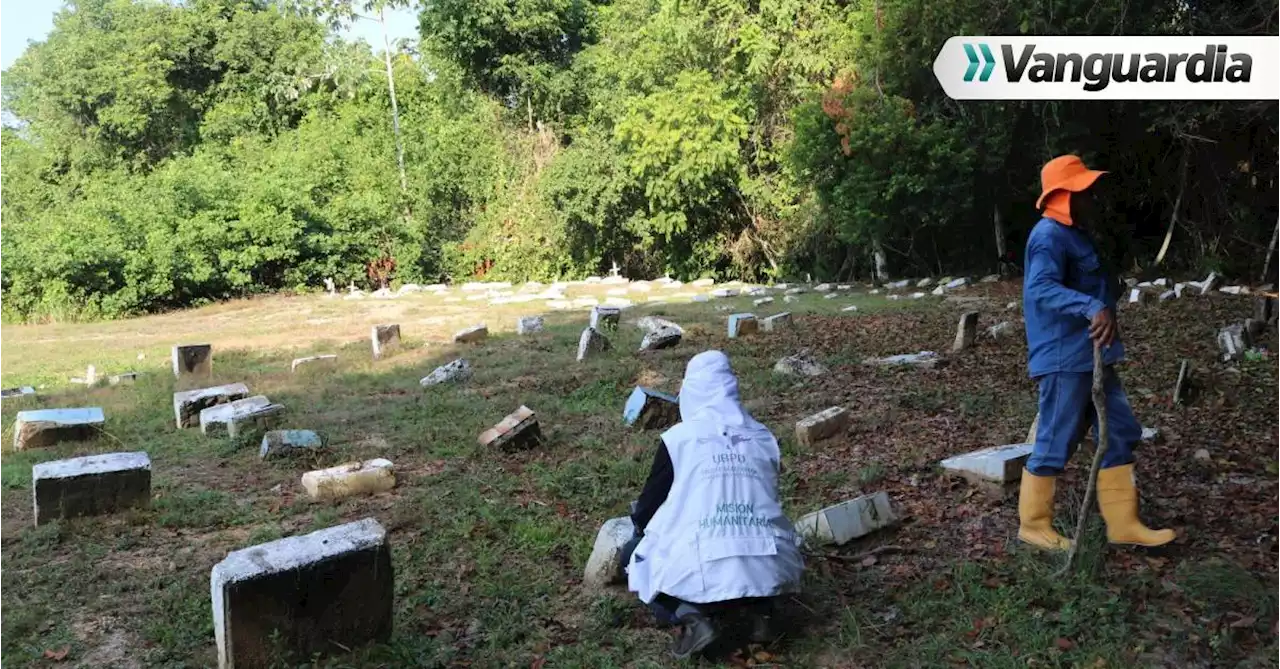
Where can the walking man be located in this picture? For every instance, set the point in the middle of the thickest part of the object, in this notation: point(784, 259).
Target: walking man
point(1069, 304)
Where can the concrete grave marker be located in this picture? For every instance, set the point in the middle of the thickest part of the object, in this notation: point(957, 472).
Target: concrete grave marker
point(660, 339)
point(1264, 309)
point(923, 359)
point(288, 442)
point(800, 364)
point(999, 464)
point(924, 283)
point(797, 290)
point(124, 379)
point(1168, 295)
point(702, 283)
point(188, 404)
point(38, 428)
point(591, 343)
point(1210, 283)
point(653, 323)
point(617, 302)
point(526, 325)
point(218, 417)
point(851, 307)
point(1136, 295)
point(350, 479)
point(1183, 384)
point(326, 361)
point(90, 486)
point(700, 298)
point(518, 430)
point(824, 424)
point(762, 301)
point(605, 567)
point(741, 325)
point(724, 292)
point(385, 339)
point(776, 322)
point(897, 285)
point(1162, 282)
point(1001, 330)
point(313, 594)
point(823, 288)
point(453, 372)
point(472, 335)
point(990, 278)
point(957, 283)
point(18, 393)
point(192, 360)
point(849, 520)
point(790, 299)
point(1233, 340)
point(650, 409)
point(966, 331)
point(605, 318)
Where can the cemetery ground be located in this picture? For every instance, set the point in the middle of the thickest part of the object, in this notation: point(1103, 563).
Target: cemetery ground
point(488, 547)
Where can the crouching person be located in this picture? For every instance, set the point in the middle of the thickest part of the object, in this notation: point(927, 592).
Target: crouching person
point(713, 541)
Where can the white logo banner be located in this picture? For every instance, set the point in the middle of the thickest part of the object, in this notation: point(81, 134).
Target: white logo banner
point(1110, 68)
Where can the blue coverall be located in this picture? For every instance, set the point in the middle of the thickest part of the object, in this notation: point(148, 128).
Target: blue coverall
point(1064, 287)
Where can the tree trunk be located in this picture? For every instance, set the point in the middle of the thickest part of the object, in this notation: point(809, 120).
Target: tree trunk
point(999, 230)
point(881, 262)
point(1177, 204)
point(395, 109)
point(1271, 251)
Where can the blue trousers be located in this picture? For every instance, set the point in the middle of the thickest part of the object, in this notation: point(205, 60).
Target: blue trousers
point(1066, 409)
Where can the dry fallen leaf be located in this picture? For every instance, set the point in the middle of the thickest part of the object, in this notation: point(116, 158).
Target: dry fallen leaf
point(57, 655)
point(868, 561)
point(1064, 643)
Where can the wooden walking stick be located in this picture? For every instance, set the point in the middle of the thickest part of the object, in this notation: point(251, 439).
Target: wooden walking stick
point(1100, 406)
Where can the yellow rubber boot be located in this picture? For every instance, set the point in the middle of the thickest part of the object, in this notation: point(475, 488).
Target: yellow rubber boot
point(1118, 501)
point(1035, 513)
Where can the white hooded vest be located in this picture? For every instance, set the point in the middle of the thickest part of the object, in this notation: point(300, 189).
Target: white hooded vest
point(721, 533)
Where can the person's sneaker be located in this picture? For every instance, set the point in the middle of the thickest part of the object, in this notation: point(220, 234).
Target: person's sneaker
point(697, 632)
point(762, 631)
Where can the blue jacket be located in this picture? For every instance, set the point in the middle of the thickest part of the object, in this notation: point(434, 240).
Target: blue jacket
point(1064, 287)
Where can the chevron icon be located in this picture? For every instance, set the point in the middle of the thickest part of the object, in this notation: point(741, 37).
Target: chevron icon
point(988, 60)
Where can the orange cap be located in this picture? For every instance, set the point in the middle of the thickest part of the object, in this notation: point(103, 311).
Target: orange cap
point(1065, 173)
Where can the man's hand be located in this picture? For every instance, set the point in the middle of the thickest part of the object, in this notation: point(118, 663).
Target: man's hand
point(1103, 328)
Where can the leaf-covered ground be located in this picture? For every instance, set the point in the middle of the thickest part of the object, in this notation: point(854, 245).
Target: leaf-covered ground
point(488, 548)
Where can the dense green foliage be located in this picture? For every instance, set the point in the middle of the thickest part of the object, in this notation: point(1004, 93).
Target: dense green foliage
point(162, 155)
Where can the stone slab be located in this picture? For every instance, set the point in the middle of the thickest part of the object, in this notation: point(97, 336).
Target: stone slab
point(824, 424)
point(122, 379)
point(605, 567)
point(456, 371)
point(288, 442)
point(605, 318)
point(350, 479)
point(20, 392)
point(762, 301)
point(215, 418)
point(777, 322)
point(800, 364)
point(90, 486)
point(741, 325)
point(660, 339)
point(849, 520)
point(924, 359)
point(194, 360)
point(38, 428)
point(529, 325)
point(518, 430)
point(591, 343)
point(966, 331)
point(472, 335)
point(263, 418)
point(188, 404)
point(314, 361)
point(999, 464)
point(650, 409)
point(652, 323)
point(314, 594)
point(385, 339)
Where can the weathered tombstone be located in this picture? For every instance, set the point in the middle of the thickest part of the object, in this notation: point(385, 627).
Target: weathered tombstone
point(592, 342)
point(617, 302)
point(329, 287)
point(45, 427)
point(192, 360)
point(313, 361)
point(350, 479)
point(823, 288)
point(762, 301)
point(188, 404)
point(261, 418)
point(702, 283)
point(924, 283)
point(700, 298)
point(957, 283)
point(652, 323)
point(966, 331)
point(458, 370)
point(528, 325)
point(800, 364)
point(999, 464)
point(605, 567)
point(218, 417)
point(650, 409)
point(795, 290)
point(849, 520)
point(18, 393)
point(605, 318)
point(472, 335)
point(1234, 290)
point(724, 292)
point(741, 325)
point(938, 291)
point(790, 299)
point(1209, 284)
point(660, 339)
point(1234, 341)
point(896, 285)
point(385, 339)
point(1001, 330)
point(923, 359)
point(1168, 295)
point(517, 431)
point(1178, 288)
point(90, 486)
point(288, 442)
point(990, 278)
point(776, 322)
point(1162, 282)
point(1183, 384)
point(851, 307)
point(320, 593)
point(124, 379)
point(1136, 295)
point(1264, 309)
point(824, 424)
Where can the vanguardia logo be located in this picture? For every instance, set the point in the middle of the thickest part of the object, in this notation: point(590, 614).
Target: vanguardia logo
point(1110, 67)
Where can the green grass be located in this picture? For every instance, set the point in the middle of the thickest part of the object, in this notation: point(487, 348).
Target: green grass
point(488, 547)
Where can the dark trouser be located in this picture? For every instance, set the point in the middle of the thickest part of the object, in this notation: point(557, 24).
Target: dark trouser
point(1066, 409)
point(670, 610)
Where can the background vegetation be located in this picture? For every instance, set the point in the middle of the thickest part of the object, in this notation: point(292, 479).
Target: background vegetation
point(159, 155)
